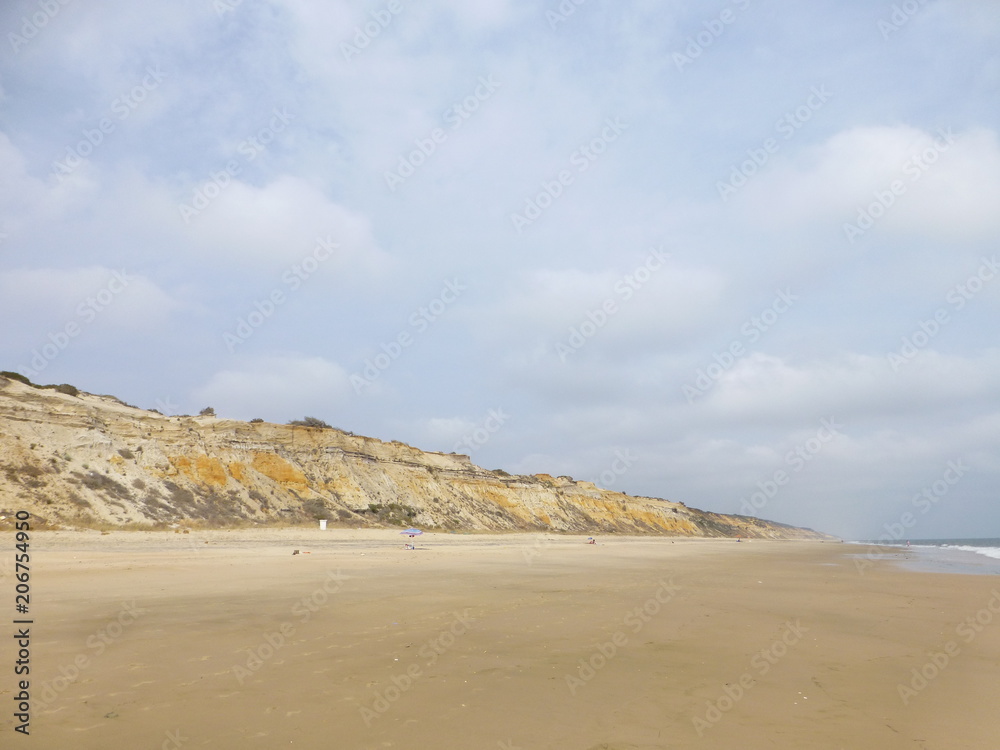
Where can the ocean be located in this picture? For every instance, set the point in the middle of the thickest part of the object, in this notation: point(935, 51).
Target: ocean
point(975, 556)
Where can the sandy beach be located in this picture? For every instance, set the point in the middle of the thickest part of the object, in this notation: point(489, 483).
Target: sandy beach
point(228, 640)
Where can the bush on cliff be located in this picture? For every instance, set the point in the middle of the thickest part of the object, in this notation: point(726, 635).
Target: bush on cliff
point(310, 422)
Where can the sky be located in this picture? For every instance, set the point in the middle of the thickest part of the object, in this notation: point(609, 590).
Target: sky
point(742, 254)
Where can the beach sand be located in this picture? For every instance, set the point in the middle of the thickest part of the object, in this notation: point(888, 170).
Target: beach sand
point(227, 640)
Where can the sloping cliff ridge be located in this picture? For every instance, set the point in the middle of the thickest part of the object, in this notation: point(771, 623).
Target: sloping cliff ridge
point(77, 459)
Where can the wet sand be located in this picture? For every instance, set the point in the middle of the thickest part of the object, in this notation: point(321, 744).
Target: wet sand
point(227, 640)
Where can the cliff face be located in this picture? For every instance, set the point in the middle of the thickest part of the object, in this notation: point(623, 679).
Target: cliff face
point(85, 459)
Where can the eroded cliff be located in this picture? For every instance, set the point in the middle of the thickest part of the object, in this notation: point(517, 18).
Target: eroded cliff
point(77, 459)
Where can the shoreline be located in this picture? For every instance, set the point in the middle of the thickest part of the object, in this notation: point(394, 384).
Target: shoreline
point(933, 558)
point(634, 643)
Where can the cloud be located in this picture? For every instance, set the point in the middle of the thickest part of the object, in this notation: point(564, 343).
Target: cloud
point(273, 387)
point(915, 183)
point(444, 433)
point(112, 298)
point(21, 195)
point(280, 223)
point(851, 386)
point(645, 305)
point(84, 311)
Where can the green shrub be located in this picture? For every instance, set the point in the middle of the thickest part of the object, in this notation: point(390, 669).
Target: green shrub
point(179, 496)
point(310, 422)
point(16, 376)
point(316, 508)
point(99, 482)
point(396, 514)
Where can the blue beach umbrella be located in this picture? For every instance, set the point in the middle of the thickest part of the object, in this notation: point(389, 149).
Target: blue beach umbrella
point(411, 532)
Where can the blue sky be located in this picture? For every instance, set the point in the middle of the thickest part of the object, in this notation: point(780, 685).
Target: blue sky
point(737, 254)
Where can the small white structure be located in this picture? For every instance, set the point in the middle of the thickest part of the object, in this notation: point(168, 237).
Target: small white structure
point(322, 525)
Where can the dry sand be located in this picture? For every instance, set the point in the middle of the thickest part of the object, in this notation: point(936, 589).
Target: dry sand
point(227, 640)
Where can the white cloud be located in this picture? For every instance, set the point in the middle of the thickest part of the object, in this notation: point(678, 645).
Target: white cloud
point(273, 387)
point(114, 299)
point(635, 310)
point(764, 387)
point(281, 222)
point(20, 193)
point(948, 183)
point(444, 430)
